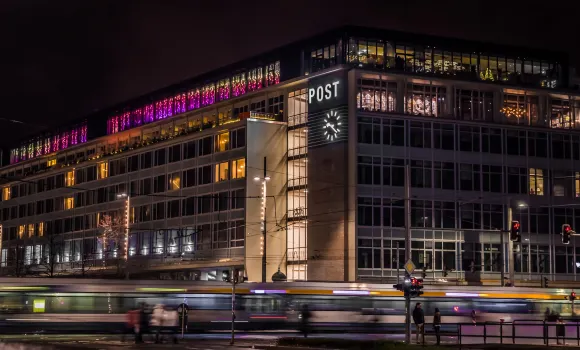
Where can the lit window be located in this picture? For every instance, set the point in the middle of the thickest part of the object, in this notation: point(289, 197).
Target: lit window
point(40, 229)
point(69, 203)
point(70, 178)
point(577, 184)
point(223, 142)
point(221, 171)
point(239, 168)
point(6, 193)
point(174, 181)
point(21, 229)
point(30, 230)
point(51, 162)
point(537, 182)
point(102, 170)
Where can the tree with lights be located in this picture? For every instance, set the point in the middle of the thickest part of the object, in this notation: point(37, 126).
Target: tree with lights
point(112, 239)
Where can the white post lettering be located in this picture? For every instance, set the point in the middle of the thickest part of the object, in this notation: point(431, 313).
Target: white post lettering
point(319, 93)
point(335, 84)
point(327, 92)
point(311, 93)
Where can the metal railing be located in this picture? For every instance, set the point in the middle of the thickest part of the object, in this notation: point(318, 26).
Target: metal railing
point(531, 332)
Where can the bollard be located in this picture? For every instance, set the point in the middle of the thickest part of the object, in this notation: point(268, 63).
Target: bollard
point(501, 330)
point(459, 334)
point(513, 333)
point(485, 333)
point(577, 335)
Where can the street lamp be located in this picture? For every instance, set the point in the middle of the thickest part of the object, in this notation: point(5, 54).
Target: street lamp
point(126, 222)
point(263, 180)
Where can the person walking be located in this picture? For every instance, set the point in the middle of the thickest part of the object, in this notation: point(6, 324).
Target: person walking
point(561, 331)
point(157, 321)
point(170, 322)
point(437, 325)
point(305, 320)
point(419, 319)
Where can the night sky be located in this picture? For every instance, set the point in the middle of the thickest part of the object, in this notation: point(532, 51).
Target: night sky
point(62, 60)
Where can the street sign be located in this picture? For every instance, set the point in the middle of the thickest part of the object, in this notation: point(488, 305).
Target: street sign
point(410, 267)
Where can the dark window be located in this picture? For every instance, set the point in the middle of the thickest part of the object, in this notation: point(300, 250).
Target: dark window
point(188, 206)
point(204, 204)
point(189, 149)
point(91, 173)
point(189, 178)
point(160, 157)
point(173, 208)
point(133, 163)
point(80, 176)
point(146, 187)
point(238, 138)
point(238, 199)
point(204, 175)
point(146, 160)
point(174, 153)
point(59, 181)
point(159, 211)
point(206, 146)
point(159, 184)
point(221, 201)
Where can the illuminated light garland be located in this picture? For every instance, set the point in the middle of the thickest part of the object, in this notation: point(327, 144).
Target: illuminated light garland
point(255, 79)
point(180, 102)
point(239, 84)
point(208, 95)
point(125, 121)
point(224, 89)
point(74, 134)
point(513, 112)
point(64, 140)
point(148, 117)
point(193, 99)
point(39, 148)
point(137, 117)
point(83, 134)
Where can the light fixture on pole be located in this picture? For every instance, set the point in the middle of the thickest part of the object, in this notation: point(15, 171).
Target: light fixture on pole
point(126, 223)
point(263, 180)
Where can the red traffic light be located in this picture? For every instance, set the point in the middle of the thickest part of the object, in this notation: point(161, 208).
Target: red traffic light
point(573, 294)
point(515, 225)
point(567, 228)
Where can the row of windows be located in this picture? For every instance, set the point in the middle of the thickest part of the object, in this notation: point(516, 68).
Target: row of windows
point(467, 177)
point(444, 136)
point(223, 201)
point(202, 147)
point(421, 59)
point(438, 256)
point(388, 212)
point(472, 105)
point(207, 174)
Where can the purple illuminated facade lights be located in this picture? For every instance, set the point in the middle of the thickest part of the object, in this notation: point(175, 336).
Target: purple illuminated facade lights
point(203, 96)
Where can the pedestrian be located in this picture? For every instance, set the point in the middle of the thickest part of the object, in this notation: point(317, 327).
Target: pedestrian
point(419, 319)
point(437, 325)
point(143, 323)
point(129, 324)
point(170, 322)
point(157, 321)
point(305, 320)
point(473, 320)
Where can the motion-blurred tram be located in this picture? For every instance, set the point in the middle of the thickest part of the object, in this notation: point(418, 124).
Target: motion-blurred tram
point(77, 305)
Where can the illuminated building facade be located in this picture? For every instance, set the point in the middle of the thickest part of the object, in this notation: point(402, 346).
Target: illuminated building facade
point(483, 128)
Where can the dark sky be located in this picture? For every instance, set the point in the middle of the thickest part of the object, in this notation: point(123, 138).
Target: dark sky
point(61, 60)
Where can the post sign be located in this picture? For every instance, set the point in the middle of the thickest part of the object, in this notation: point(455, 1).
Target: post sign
point(327, 91)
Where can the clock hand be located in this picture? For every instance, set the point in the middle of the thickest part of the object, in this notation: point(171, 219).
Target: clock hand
point(332, 127)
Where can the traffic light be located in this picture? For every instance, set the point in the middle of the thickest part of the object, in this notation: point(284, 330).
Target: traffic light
point(545, 282)
point(417, 288)
point(566, 233)
point(572, 296)
point(515, 232)
point(472, 266)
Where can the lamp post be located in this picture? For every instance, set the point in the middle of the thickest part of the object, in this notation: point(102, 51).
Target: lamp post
point(263, 180)
point(126, 223)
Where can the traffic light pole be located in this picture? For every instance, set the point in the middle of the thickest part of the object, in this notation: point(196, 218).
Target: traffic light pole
point(511, 267)
point(407, 249)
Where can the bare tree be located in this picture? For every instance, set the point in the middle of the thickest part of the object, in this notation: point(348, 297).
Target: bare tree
point(112, 239)
point(51, 259)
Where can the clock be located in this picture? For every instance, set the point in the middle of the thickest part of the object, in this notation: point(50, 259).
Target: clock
point(331, 125)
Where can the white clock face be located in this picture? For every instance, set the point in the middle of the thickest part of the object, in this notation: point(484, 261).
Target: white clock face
point(331, 125)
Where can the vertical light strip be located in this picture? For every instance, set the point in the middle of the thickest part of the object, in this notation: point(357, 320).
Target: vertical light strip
point(262, 216)
point(1, 257)
point(127, 208)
